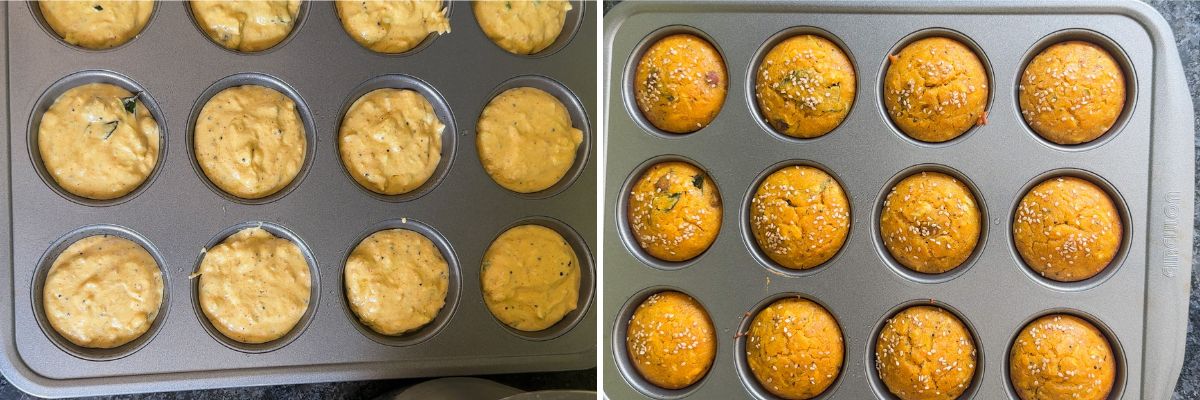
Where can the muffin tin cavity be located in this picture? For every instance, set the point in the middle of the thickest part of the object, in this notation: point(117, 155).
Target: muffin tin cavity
point(1118, 386)
point(1118, 259)
point(1114, 50)
point(298, 23)
point(77, 79)
point(270, 82)
point(748, 230)
point(440, 108)
point(571, 24)
point(579, 120)
point(453, 288)
point(625, 366)
point(746, 375)
point(622, 217)
point(447, 5)
point(36, 10)
point(881, 389)
point(630, 72)
point(756, 61)
point(314, 296)
point(39, 281)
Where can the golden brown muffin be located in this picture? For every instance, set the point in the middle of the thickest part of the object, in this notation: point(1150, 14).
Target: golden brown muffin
point(680, 83)
point(671, 341)
point(674, 211)
point(800, 216)
point(1061, 356)
point(96, 24)
point(794, 347)
point(925, 352)
point(930, 222)
point(936, 89)
point(805, 86)
point(1072, 92)
point(1067, 229)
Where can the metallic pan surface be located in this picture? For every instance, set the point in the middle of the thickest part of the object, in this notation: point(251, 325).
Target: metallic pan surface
point(1146, 164)
point(179, 214)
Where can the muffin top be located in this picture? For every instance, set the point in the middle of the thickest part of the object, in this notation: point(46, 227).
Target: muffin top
point(794, 347)
point(805, 86)
point(800, 216)
point(674, 211)
point(1061, 356)
point(1072, 92)
point(1067, 229)
point(671, 341)
point(936, 89)
point(925, 352)
point(680, 83)
point(96, 24)
point(930, 222)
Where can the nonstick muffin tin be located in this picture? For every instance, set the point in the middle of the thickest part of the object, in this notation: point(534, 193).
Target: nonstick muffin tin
point(176, 213)
point(1145, 163)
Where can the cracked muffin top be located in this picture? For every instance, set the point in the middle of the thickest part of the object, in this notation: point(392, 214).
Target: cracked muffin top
point(935, 89)
point(930, 222)
point(671, 341)
point(794, 348)
point(674, 211)
point(805, 86)
point(1061, 356)
point(680, 83)
point(1072, 92)
point(1067, 229)
point(925, 352)
point(800, 216)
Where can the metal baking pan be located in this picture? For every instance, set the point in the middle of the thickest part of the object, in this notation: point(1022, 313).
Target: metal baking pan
point(1146, 163)
point(177, 213)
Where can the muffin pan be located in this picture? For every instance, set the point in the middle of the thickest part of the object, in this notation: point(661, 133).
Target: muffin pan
point(1145, 163)
point(176, 213)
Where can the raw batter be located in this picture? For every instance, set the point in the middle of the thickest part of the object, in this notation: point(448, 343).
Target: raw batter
point(525, 140)
point(249, 141)
point(392, 26)
point(254, 287)
point(530, 278)
point(391, 141)
point(98, 141)
point(248, 25)
point(97, 24)
point(103, 291)
point(396, 281)
point(522, 26)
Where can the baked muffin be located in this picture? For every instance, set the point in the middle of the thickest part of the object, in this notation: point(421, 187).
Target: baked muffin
point(671, 341)
point(935, 89)
point(799, 216)
point(680, 83)
point(925, 352)
point(102, 292)
point(1061, 356)
point(96, 24)
point(1067, 229)
point(393, 26)
point(98, 141)
point(525, 140)
point(249, 141)
point(522, 26)
point(1072, 92)
point(794, 348)
point(396, 281)
point(530, 278)
point(674, 211)
point(930, 222)
point(805, 86)
point(390, 141)
point(246, 25)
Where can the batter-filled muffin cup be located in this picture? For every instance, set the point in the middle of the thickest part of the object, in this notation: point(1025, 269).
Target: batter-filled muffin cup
point(794, 348)
point(1061, 356)
point(1067, 229)
point(102, 292)
point(670, 340)
point(392, 27)
point(1072, 92)
point(249, 141)
point(530, 278)
point(674, 211)
point(930, 222)
point(935, 89)
point(96, 25)
point(522, 26)
point(805, 86)
point(800, 217)
point(396, 281)
point(680, 83)
point(254, 287)
point(390, 140)
point(246, 25)
point(525, 140)
point(98, 141)
point(925, 352)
